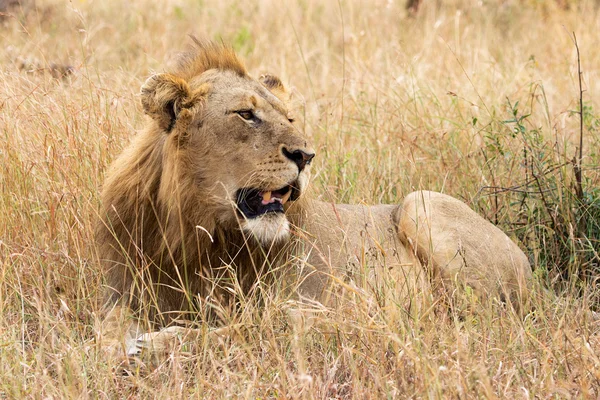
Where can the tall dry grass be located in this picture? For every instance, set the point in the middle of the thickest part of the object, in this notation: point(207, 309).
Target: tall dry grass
point(392, 103)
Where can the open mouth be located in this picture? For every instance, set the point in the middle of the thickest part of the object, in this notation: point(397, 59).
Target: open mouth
point(253, 202)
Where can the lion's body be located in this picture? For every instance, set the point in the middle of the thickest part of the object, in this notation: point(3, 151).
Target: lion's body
point(431, 239)
point(207, 201)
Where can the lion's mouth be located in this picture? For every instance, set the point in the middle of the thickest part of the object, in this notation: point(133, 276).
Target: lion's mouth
point(254, 202)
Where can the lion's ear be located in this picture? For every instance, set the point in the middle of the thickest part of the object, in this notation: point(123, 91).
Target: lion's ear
point(163, 96)
point(274, 84)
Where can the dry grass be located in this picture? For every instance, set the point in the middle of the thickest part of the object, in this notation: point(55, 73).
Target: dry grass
point(392, 104)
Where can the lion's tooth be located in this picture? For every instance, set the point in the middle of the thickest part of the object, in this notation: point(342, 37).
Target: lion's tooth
point(286, 196)
point(266, 198)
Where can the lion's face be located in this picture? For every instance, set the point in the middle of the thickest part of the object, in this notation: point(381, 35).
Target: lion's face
point(233, 146)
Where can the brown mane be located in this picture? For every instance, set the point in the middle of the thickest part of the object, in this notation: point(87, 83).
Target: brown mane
point(160, 244)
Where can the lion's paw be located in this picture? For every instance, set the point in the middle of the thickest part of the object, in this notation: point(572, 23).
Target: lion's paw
point(162, 341)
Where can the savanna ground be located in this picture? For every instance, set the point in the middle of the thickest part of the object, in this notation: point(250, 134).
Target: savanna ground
point(479, 100)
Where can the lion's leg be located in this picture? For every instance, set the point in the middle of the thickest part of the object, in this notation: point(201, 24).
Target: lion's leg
point(462, 248)
point(124, 338)
point(129, 341)
point(118, 333)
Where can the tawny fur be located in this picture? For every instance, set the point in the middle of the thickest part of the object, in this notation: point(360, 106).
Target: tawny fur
point(172, 241)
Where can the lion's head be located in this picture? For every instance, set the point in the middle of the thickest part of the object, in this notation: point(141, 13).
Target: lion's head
point(231, 147)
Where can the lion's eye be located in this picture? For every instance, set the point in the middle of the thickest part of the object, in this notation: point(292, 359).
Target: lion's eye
point(292, 120)
point(248, 115)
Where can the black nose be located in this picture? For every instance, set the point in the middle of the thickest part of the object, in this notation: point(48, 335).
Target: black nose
point(301, 158)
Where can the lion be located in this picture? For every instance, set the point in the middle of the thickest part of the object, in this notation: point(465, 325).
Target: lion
point(210, 200)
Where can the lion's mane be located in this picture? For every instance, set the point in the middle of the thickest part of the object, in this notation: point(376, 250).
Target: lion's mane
point(162, 246)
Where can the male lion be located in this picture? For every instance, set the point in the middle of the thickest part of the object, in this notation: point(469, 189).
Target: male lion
point(208, 201)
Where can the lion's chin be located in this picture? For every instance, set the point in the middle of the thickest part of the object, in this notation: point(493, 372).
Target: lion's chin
point(268, 229)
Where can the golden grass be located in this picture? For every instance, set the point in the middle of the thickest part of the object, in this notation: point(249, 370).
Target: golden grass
point(392, 104)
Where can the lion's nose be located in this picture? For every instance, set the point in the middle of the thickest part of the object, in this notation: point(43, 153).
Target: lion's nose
point(301, 158)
